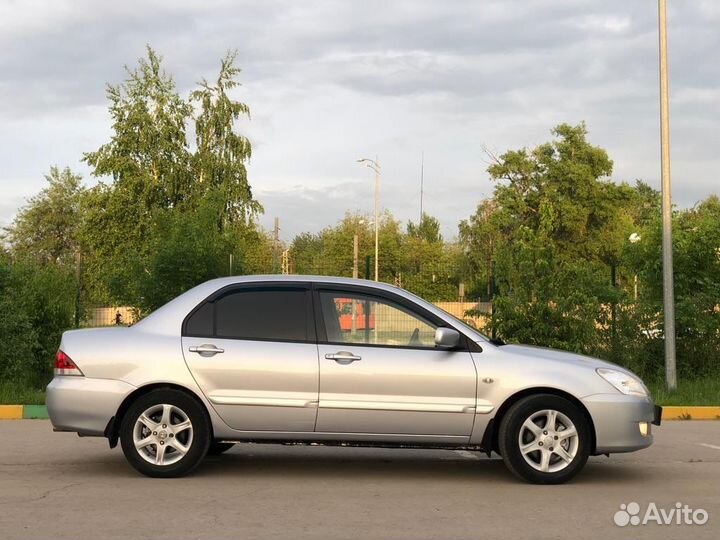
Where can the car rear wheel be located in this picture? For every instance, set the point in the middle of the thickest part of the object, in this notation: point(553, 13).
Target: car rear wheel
point(165, 434)
point(545, 439)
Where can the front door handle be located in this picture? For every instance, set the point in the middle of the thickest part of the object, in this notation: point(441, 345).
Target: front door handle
point(343, 357)
point(206, 349)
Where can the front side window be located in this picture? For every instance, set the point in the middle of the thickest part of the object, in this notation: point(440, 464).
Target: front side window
point(261, 314)
point(368, 320)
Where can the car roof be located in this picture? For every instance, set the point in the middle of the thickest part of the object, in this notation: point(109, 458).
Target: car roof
point(279, 278)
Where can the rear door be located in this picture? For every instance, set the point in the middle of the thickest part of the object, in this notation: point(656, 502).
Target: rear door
point(380, 373)
point(252, 350)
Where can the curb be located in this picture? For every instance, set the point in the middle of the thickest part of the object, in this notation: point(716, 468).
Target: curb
point(670, 412)
point(18, 412)
point(690, 413)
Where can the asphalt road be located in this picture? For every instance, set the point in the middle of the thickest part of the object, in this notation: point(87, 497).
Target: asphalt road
point(56, 485)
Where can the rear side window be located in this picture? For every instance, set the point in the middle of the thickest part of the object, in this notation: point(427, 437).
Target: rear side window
point(261, 314)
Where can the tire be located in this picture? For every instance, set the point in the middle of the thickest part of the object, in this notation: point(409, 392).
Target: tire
point(167, 421)
point(539, 455)
point(217, 448)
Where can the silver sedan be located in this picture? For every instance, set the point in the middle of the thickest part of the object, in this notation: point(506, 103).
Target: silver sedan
point(329, 360)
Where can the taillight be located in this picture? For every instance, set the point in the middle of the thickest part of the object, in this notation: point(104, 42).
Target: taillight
point(65, 366)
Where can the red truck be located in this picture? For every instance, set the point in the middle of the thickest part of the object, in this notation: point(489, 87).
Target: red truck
point(345, 315)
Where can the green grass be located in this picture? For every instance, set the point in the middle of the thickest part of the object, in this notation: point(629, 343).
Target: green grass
point(694, 392)
point(13, 394)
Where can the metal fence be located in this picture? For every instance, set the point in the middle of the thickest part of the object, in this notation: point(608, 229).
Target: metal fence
point(109, 316)
point(126, 315)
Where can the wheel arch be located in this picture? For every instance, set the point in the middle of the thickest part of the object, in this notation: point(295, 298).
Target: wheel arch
point(112, 430)
point(490, 437)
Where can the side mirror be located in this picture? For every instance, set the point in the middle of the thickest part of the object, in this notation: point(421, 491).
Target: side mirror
point(446, 338)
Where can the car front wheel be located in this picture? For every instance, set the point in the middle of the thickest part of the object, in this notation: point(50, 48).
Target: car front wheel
point(545, 439)
point(165, 434)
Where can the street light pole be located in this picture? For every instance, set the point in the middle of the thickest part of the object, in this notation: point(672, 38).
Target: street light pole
point(375, 166)
point(668, 285)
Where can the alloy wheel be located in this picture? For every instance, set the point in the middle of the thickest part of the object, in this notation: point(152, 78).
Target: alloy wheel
point(163, 434)
point(548, 441)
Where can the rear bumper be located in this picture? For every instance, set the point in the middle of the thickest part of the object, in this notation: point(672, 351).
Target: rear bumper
point(83, 404)
point(618, 419)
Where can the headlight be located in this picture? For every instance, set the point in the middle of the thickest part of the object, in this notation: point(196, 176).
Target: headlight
point(624, 382)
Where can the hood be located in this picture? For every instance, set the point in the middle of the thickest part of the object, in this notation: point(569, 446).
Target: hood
point(556, 355)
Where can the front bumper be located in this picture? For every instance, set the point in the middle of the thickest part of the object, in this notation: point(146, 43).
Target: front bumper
point(84, 405)
point(617, 420)
point(657, 420)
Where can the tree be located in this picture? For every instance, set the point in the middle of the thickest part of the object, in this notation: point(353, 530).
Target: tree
point(427, 266)
point(219, 161)
point(37, 303)
point(157, 179)
point(481, 235)
point(418, 260)
point(556, 230)
point(428, 229)
point(47, 228)
point(330, 252)
point(545, 300)
point(306, 250)
point(562, 186)
point(696, 262)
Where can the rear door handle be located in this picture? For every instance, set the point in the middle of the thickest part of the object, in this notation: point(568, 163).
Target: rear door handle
point(343, 357)
point(206, 349)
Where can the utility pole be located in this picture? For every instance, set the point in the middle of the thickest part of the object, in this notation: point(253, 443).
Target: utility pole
point(356, 254)
point(668, 285)
point(422, 182)
point(276, 244)
point(78, 286)
point(356, 250)
point(375, 166)
point(285, 265)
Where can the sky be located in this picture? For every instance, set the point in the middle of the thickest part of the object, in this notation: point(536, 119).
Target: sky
point(329, 82)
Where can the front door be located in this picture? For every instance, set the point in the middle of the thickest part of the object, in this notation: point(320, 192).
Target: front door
point(253, 353)
point(381, 374)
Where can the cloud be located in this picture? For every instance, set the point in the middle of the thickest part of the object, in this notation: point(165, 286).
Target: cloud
point(329, 82)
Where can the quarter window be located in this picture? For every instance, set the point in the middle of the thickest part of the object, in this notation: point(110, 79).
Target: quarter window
point(200, 323)
point(368, 320)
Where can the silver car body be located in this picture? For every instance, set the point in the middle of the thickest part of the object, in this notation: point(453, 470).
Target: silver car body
point(265, 390)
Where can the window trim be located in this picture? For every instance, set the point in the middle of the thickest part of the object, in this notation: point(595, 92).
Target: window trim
point(310, 327)
point(411, 307)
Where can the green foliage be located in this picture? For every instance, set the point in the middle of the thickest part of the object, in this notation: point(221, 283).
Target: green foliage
point(46, 229)
point(427, 229)
point(148, 154)
point(556, 230)
point(37, 303)
point(330, 252)
point(543, 299)
point(696, 252)
point(167, 199)
point(418, 260)
point(306, 249)
point(219, 162)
